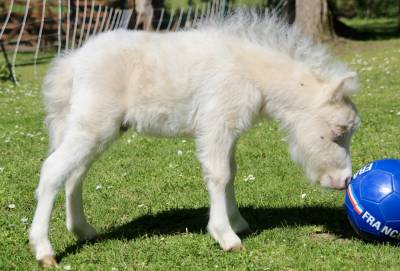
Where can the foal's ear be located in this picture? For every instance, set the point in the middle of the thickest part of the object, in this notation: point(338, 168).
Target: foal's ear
point(343, 86)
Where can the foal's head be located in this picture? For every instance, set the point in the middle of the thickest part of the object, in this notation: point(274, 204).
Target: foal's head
point(320, 139)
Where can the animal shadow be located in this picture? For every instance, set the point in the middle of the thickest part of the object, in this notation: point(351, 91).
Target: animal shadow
point(177, 221)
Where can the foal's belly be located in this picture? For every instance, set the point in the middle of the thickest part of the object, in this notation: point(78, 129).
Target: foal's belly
point(160, 121)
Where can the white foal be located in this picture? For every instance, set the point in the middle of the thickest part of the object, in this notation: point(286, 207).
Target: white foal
point(211, 83)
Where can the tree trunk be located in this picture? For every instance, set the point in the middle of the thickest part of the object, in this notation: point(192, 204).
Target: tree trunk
point(145, 14)
point(315, 19)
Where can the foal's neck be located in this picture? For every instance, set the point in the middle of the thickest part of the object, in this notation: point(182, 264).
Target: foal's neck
point(276, 73)
point(287, 85)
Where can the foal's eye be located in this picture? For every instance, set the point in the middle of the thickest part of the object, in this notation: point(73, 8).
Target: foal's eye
point(338, 133)
point(339, 130)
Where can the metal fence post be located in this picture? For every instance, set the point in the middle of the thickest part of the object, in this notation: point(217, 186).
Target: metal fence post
point(8, 64)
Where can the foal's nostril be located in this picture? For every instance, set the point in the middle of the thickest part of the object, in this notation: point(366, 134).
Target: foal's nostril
point(347, 181)
point(344, 184)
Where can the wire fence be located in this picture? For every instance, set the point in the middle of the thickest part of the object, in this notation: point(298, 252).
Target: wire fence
point(35, 26)
point(32, 27)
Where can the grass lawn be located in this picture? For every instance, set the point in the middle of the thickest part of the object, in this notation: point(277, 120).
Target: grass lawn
point(149, 204)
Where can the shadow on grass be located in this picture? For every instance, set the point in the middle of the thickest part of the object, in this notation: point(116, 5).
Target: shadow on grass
point(368, 29)
point(365, 35)
point(176, 221)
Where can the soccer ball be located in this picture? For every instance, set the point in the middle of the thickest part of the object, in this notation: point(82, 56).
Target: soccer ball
point(373, 201)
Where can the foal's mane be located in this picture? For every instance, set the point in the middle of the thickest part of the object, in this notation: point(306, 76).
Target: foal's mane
point(271, 31)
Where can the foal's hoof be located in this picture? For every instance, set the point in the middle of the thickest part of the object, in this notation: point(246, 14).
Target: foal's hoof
point(84, 232)
point(231, 244)
point(48, 262)
point(237, 247)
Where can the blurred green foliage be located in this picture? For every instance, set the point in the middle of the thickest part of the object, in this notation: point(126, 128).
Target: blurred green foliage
point(366, 8)
point(344, 8)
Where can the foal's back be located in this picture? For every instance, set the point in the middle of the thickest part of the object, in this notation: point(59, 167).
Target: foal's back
point(157, 83)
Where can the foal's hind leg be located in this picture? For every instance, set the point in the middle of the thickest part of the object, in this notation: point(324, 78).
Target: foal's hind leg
point(75, 216)
point(76, 150)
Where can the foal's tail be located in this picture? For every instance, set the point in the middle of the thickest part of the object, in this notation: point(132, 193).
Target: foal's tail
point(57, 90)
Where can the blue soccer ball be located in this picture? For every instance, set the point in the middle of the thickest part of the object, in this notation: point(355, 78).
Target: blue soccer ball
point(373, 201)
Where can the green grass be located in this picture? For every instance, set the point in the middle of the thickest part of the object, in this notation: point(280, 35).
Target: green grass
point(151, 209)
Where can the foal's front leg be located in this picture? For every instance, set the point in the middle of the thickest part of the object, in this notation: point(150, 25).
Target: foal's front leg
point(215, 159)
point(238, 223)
